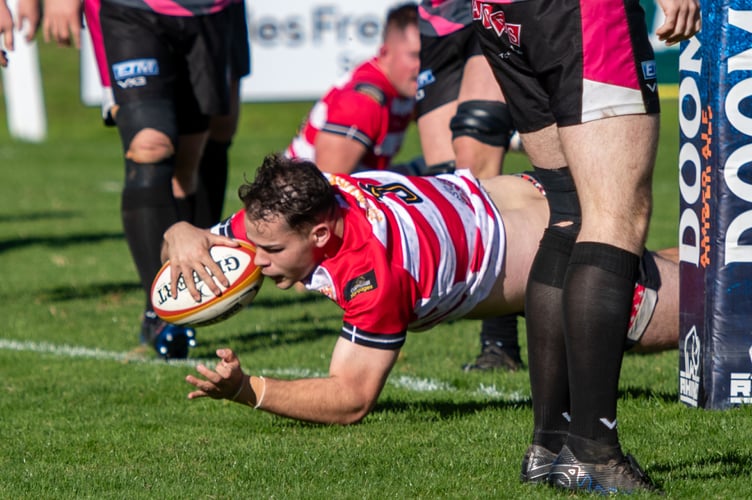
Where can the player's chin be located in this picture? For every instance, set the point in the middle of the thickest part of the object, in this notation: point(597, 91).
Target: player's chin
point(282, 282)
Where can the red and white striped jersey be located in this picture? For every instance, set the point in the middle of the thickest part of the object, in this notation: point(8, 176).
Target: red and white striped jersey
point(416, 251)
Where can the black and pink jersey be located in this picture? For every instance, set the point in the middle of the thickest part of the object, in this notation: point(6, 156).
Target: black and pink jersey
point(176, 8)
point(416, 251)
point(443, 17)
point(363, 106)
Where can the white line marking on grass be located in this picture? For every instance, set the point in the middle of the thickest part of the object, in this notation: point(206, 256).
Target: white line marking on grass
point(89, 353)
point(413, 384)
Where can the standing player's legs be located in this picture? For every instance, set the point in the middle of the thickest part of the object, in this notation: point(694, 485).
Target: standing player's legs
point(469, 135)
point(481, 128)
point(580, 288)
point(213, 170)
point(612, 161)
point(148, 132)
point(157, 105)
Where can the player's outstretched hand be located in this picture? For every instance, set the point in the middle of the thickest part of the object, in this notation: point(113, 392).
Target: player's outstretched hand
point(223, 382)
point(187, 249)
point(682, 22)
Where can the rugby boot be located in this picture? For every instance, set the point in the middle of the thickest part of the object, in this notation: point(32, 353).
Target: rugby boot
point(620, 475)
point(536, 464)
point(493, 357)
point(168, 340)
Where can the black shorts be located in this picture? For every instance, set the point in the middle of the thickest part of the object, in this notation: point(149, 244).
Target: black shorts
point(570, 61)
point(240, 49)
point(442, 61)
point(183, 60)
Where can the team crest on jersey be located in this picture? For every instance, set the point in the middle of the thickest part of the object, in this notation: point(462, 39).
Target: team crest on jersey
point(363, 283)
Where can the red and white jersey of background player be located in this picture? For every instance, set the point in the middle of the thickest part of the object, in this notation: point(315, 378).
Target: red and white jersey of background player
point(363, 106)
point(416, 251)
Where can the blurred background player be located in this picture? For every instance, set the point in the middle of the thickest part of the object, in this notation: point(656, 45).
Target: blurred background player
point(464, 122)
point(198, 188)
point(360, 123)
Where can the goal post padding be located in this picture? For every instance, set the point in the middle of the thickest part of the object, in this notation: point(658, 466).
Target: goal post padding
point(715, 223)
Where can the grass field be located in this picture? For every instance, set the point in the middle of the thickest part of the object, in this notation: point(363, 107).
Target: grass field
point(79, 419)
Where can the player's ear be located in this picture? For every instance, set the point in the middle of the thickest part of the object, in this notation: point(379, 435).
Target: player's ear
point(320, 233)
point(383, 50)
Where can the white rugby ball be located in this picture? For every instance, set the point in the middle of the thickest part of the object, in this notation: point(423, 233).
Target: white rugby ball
point(245, 280)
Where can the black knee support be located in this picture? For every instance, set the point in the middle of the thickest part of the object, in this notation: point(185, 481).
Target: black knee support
point(144, 176)
point(488, 122)
point(147, 210)
point(158, 114)
point(552, 258)
point(563, 204)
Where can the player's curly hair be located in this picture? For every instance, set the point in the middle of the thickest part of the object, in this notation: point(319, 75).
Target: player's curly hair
point(293, 189)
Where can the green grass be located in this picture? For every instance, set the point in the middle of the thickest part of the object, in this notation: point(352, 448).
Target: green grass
point(77, 420)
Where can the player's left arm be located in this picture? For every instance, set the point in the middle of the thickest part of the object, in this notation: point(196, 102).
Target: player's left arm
point(357, 375)
point(682, 22)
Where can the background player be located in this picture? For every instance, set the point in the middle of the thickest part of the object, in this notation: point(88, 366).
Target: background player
point(361, 121)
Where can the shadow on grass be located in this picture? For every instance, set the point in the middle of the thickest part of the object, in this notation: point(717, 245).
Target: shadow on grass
point(445, 410)
point(61, 294)
point(289, 298)
point(647, 393)
point(251, 341)
point(58, 241)
point(35, 216)
point(715, 466)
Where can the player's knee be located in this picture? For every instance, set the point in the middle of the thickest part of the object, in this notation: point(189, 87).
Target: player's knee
point(148, 130)
point(488, 122)
point(150, 146)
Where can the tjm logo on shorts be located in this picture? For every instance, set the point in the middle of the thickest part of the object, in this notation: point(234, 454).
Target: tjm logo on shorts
point(133, 73)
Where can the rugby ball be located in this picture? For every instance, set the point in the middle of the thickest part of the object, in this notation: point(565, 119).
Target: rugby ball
point(245, 280)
